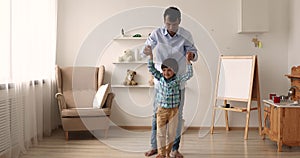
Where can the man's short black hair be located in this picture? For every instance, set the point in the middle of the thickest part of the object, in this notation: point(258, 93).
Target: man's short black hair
point(174, 14)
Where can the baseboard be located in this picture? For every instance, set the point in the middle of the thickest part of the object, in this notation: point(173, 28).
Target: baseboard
point(188, 128)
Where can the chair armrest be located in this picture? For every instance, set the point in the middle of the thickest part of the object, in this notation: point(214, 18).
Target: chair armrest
point(109, 99)
point(61, 101)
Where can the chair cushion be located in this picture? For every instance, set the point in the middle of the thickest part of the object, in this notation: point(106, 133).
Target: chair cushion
point(101, 96)
point(79, 98)
point(85, 112)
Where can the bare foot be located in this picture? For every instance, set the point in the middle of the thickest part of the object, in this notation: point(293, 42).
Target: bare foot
point(151, 152)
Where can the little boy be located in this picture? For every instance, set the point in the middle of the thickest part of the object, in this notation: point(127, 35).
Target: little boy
point(168, 100)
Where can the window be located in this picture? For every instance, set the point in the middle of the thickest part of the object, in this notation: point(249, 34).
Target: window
point(27, 53)
point(28, 39)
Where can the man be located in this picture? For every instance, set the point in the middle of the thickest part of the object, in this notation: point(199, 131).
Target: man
point(170, 41)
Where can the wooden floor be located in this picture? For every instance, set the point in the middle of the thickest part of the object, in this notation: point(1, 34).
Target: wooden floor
point(132, 144)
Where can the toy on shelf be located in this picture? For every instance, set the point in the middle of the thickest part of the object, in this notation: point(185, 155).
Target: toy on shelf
point(129, 79)
point(137, 35)
point(127, 56)
point(151, 81)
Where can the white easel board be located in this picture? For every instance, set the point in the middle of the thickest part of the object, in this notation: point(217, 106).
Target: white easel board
point(237, 80)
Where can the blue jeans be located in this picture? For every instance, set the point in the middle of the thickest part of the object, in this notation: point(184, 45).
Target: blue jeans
point(178, 130)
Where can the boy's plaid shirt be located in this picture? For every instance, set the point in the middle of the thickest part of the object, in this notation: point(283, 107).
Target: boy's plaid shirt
point(168, 95)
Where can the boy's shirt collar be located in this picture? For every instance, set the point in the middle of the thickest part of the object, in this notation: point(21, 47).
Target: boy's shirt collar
point(170, 79)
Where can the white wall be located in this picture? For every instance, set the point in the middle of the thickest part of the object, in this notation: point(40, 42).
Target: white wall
point(78, 19)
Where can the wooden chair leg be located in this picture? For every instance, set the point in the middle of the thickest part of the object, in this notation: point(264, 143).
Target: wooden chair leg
point(67, 135)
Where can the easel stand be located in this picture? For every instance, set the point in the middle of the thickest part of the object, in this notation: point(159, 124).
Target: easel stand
point(237, 81)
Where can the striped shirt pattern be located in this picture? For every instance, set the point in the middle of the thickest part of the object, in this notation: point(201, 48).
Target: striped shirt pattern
point(168, 95)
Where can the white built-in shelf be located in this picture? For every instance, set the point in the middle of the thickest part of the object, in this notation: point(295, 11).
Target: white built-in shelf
point(133, 62)
point(135, 86)
point(131, 38)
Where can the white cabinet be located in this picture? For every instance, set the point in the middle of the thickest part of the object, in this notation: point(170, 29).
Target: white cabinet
point(253, 16)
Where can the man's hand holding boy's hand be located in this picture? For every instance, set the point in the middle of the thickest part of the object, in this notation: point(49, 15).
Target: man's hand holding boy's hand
point(148, 51)
point(189, 56)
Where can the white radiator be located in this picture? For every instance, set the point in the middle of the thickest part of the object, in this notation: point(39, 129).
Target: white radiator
point(11, 110)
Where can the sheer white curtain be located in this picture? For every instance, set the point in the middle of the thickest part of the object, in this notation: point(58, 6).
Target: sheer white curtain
point(28, 109)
